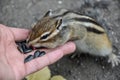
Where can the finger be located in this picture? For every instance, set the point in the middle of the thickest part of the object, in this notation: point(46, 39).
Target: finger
point(19, 34)
point(49, 58)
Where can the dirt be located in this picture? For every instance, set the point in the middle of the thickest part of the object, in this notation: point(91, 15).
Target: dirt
point(23, 13)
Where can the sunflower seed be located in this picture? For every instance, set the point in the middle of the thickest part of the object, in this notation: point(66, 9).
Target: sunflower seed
point(28, 58)
point(42, 53)
point(20, 49)
point(23, 48)
point(39, 53)
point(36, 54)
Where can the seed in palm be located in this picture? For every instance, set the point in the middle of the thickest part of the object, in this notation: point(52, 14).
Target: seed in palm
point(28, 58)
point(23, 48)
point(39, 53)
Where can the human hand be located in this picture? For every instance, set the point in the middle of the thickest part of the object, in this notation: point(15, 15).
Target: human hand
point(12, 60)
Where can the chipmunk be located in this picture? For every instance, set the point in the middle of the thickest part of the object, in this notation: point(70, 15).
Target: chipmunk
point(60, 26)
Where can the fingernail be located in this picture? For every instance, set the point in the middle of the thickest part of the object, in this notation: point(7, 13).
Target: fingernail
point(28, 58)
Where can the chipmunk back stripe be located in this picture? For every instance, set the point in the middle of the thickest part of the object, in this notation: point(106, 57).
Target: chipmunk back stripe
point(78, 17)
point(89, 29)
point(87, 20)
point(65, 13)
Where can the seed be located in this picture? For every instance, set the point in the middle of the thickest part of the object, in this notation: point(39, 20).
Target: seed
point(20, 49)
point(24, 49)
point(36, 54)
point(39, 53)
point(21, 42)
point(28, 58)
point(27, 50)
point(23, 46)
point(42, 53)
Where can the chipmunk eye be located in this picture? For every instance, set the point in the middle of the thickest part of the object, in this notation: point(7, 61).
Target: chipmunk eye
point(44, 36)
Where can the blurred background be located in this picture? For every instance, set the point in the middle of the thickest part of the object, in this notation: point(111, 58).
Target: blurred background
point(23, 13)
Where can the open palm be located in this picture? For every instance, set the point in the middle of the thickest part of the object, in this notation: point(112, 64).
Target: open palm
point(12, 61)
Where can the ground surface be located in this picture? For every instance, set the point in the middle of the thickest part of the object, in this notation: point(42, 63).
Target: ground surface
point(23, 13)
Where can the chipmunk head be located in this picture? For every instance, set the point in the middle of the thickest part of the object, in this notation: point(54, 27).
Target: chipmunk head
point(44, 30)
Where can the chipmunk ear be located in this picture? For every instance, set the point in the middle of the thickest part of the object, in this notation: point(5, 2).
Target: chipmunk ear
point(58, 24)
point(48, 13)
